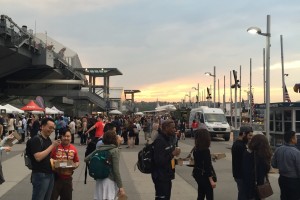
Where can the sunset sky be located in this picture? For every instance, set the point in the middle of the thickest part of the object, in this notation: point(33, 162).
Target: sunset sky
point(164, 47)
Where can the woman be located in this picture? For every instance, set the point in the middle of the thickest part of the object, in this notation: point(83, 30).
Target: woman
point(7, 149)
point(111, 187)
point(10, 123)
point(259, 154)
point(202, 171)
point(84, 129)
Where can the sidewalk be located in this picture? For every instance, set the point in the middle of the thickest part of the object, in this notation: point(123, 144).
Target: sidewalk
point(137, 185)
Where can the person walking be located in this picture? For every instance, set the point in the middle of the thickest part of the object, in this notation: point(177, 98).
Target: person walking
point(237, 151)
point(203, 168)
point(256, 165)
point(164, 164)
point(63, 185)
point(99, 126)
point(42, 175)
point(132, 132)
point(287, 159)
point(111, 187)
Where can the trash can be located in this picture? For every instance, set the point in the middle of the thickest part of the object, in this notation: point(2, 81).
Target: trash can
point(235, 134)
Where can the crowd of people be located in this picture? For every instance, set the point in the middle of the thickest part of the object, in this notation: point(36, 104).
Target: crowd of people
point(252, 156)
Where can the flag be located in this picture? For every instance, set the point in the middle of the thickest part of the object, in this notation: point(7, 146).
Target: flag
point(286, 95)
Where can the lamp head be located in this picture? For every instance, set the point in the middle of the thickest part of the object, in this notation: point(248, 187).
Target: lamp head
point(209, 74)
point(254, 30)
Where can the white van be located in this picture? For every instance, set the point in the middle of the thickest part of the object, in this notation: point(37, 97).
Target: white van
point(212, 119)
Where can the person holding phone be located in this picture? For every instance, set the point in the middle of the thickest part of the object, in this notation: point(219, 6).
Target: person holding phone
point(42, 177)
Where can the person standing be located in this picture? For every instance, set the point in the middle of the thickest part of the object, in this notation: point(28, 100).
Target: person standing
point(63, 186)
point(84, 129)
point(256, 164)
point(111, 187)
point(147, 129)
point(164, 163)
point(203, 168)
point(72, 128)
point(42, 175)
point(287, 159)
point(6, 149)
point(10, 123)
point(237, 151)
point(35, 126)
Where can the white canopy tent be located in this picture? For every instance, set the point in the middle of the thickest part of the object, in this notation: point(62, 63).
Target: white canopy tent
point(50, 111)
point(7, 110)
point(139, 113)
point(14, 109)
point(115, 112)
point(59, 111)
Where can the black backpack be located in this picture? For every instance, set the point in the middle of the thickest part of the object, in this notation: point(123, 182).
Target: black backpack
point(27, 152)
point(145, 161)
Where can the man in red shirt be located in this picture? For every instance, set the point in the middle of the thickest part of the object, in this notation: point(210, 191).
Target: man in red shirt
point(99, 126)
point(63, 181)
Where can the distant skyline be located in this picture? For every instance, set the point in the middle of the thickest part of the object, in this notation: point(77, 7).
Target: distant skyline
point(164, 47)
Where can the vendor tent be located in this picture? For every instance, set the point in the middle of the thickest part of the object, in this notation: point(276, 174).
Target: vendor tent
point(31, 106)
point(14, 109)
point(115, 112)
point(139, 113)
point(7, 110)
point(58, 111)
point(50, 111)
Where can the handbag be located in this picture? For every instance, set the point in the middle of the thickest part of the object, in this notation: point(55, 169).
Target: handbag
point(265, 190)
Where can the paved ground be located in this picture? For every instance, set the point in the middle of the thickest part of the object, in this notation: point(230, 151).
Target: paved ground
point(138, 186)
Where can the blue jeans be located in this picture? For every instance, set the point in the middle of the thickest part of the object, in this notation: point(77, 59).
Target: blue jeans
point(42, 185)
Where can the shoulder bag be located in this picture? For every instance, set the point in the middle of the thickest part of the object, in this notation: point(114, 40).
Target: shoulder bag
point(265, 190)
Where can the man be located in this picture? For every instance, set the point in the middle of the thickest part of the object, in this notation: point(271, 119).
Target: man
point(287, 159)
point(164, 163)
point(99, 126)
point(42, 175)
point(237, 151)
point(63, 182)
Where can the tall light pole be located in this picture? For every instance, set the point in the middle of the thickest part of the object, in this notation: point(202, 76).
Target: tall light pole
point(214, 75)
point(198, 94)
point(256, 30)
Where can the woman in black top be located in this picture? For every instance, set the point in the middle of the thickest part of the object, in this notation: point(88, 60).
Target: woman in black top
point(202, 171)
point(259, 154)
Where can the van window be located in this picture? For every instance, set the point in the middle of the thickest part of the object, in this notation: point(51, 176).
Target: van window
point(215, 118)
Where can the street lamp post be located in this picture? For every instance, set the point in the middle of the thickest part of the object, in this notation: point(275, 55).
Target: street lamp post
point(198, 94)
point(256, 30)
point(214, 75)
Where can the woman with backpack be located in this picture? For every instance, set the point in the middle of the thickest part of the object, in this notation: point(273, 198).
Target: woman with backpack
point(108, 186)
